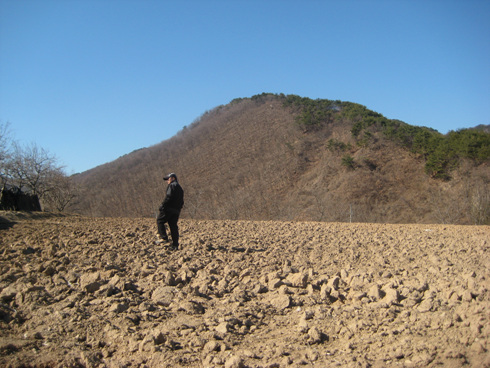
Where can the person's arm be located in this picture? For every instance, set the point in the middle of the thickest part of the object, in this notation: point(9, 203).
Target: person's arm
point(169, 195)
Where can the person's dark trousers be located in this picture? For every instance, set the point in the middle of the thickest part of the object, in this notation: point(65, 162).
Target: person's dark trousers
point(171, 219)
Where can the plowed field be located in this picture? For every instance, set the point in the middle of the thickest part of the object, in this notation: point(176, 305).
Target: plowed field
point(98, 292)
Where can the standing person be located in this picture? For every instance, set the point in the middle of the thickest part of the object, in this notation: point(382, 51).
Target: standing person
point(170, 211)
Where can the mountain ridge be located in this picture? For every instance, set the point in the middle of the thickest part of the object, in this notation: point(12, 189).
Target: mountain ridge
point(278, 157)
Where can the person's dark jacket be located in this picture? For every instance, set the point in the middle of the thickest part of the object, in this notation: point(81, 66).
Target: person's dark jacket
point(174, 199)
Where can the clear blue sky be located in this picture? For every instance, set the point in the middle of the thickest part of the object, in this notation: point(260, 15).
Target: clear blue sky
point(91, 80)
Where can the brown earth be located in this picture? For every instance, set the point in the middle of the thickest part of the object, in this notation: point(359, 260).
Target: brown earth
point(97, 292)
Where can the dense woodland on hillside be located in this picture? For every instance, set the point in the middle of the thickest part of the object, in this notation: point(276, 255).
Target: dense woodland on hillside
point(286, 157)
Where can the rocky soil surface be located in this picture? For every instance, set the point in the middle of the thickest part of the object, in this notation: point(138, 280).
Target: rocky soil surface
point(97, 292)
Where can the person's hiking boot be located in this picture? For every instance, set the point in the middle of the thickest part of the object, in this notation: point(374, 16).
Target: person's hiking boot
point(173, 247)
point(161, 241)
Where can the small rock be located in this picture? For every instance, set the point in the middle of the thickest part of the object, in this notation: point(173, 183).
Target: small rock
point(392, 296)
point(356, 295)
point(478, 347)
point(299, 279)
point(106, 290)
point(8, 294)
point(467, 296)
point(159, 338)
point(375, 292)
point(281, 301)
point(476, 327)
point(315, 336)
point(223, 327)
point(169, 278)
point(234, 362)
point(259, 289)
point(163, 295)
point(426, 306)
point(356, 282)
point(274, 283)
point(38, 336)
point(118, 308)
point(310, 290)
point(210, 346)
point(307, 315)
point(191, 307)
point(302, 326)
point(335, 295)
point(334, 283)
point(89, 282)
point(49, 271)
point(387, 275)
point(325, 291)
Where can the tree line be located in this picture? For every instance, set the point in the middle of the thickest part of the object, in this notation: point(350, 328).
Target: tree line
point(34, 170)
point(442, 153)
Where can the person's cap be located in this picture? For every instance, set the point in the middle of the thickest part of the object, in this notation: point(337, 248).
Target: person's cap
point(171, 175)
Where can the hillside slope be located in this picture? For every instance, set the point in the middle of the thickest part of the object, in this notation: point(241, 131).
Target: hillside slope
point(267, 157)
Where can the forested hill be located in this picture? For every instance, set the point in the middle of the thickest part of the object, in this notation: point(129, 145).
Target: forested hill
point(285, 157)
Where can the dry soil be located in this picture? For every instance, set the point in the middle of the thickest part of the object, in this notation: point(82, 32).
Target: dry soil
point(97, 292)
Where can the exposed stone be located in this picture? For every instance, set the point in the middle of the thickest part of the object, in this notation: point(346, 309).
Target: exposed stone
point(164, 295)
point(234, 362)
point(325, 291)
point(210, 346)
point(118, 308)
point(315, 336)
point(8, 294)
point(303, 325)
point(274, 283)
point(375, 292)
point(392, 295)
point(223, 327)
point(299, 279)
point(190, 307)
point(334, 282)
point(281, 301)
point(90, 282)
point(426, 305)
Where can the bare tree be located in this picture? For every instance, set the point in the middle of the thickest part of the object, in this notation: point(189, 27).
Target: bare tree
point(4, 151)
point(35, 168)
point(320, 204)
point(445, 208)
point(480, 203)
point(62, 192)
